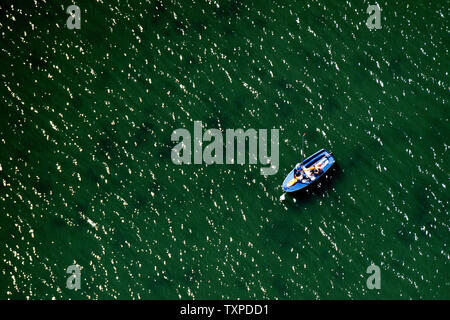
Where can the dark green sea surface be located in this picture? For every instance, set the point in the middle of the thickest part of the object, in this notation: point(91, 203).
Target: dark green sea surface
point(86, 175)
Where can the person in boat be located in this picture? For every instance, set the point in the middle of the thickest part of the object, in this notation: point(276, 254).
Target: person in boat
point(298, 174)
point(317, 170)
point(308, 171)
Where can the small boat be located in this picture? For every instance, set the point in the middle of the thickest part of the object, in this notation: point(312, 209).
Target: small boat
point(322, 159)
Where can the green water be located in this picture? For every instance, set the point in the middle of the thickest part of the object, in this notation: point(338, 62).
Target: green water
point(86, 174)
